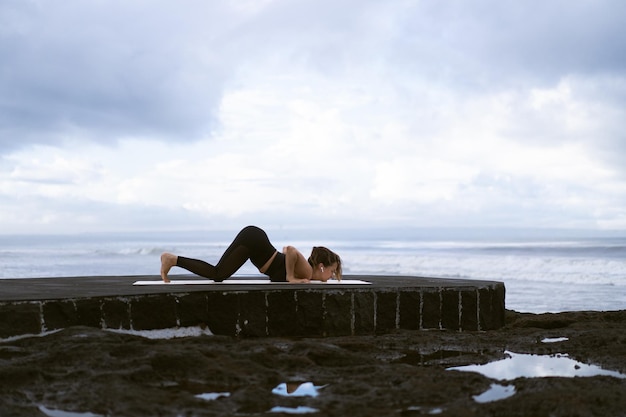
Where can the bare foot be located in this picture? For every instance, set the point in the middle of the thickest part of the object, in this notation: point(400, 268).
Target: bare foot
point(167, 262)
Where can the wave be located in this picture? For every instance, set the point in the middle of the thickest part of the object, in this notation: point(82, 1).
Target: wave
point(534, 246)
point(135, 251)
point(601, 271)
point(574, 261)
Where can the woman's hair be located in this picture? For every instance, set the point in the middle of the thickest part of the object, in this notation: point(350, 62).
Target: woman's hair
point(326, 257)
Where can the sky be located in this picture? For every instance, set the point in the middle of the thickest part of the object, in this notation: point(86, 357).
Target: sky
point(192, 115)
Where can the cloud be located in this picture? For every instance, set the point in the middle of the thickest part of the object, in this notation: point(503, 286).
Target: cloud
point(509, 42)
point(102, 71)
point(409, 113)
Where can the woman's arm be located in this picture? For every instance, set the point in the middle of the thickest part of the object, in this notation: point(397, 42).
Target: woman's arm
point(298, 268)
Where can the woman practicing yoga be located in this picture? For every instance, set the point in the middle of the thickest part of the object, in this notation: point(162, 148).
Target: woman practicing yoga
point(252, 243)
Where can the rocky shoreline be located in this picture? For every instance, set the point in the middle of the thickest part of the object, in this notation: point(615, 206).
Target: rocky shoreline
point(87, 372)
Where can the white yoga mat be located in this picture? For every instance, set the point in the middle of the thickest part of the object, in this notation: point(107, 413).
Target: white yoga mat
point(244, 282)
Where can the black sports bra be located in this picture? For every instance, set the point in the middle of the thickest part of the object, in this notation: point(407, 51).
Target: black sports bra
point(277, 271)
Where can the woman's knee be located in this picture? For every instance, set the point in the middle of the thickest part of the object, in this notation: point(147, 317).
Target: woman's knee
point(251, 232)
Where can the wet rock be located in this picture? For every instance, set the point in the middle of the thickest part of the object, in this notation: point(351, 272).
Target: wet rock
point(82, 369)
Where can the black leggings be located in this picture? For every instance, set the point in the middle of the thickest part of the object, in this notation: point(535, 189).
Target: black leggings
point(251, 243)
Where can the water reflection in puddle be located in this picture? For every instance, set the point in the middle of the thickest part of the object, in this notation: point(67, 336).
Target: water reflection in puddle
point(554, 339)
point(297, 389)
point(426, 410)
point(495, 393)
point(212, 396)
point(61, 413)
point(294, 410)
point(519, 365)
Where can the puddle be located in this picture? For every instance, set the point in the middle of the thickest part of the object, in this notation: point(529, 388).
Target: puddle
point(172, 333)
point(61, 413)
point(495, 393)
point(426, 410)
point(554, 339)
point(294, 410)
point(297, 389)
point(519, 365)
point(212, 396)
point(29, 335)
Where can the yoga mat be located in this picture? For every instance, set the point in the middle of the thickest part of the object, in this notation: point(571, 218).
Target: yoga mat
point(243, 282)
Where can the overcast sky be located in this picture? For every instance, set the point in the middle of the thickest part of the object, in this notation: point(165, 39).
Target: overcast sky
point(181, 115)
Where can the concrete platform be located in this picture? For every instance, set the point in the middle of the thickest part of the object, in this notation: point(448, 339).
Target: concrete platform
point(33, 306)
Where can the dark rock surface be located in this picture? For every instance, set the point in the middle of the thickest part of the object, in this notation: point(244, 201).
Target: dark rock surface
point(86, 370)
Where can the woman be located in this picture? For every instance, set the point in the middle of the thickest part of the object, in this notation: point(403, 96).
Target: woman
point(252, 243)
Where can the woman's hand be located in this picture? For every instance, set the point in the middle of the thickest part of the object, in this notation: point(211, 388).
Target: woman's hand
point(299, 280)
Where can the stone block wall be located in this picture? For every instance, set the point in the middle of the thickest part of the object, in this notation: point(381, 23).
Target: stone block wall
point(267, 312)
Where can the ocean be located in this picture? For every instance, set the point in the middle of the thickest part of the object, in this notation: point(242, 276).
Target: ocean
point(540, 274)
